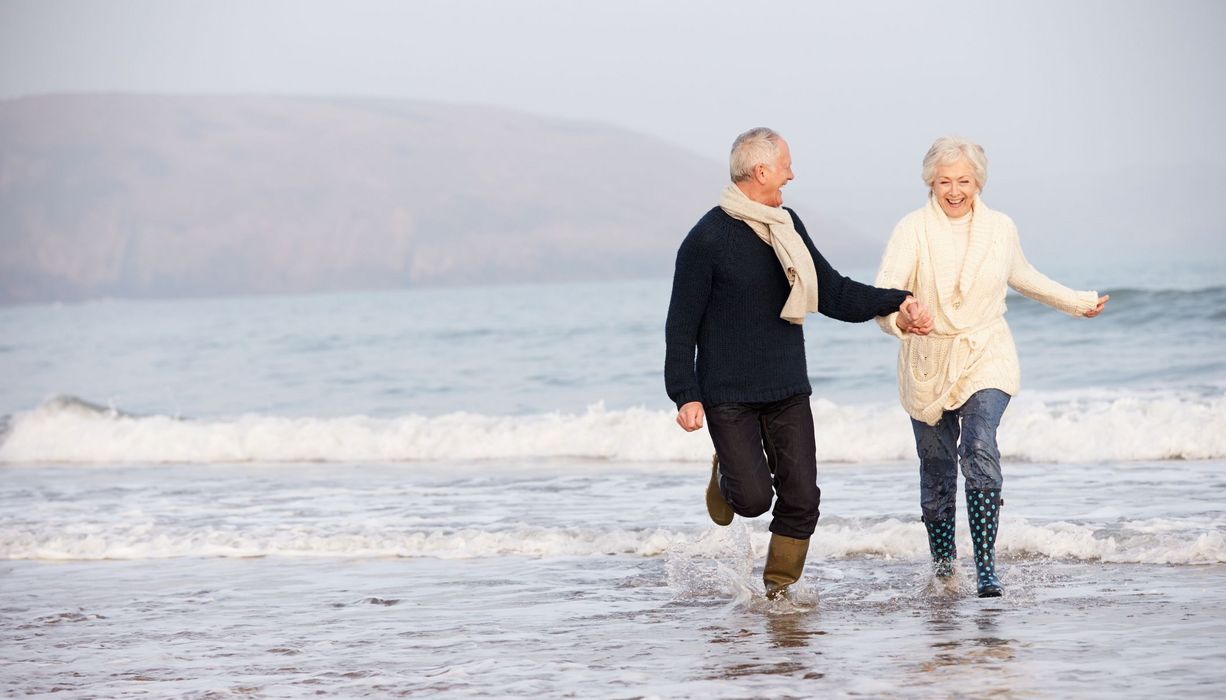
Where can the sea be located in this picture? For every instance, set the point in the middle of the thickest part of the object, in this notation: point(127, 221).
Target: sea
point(481, 492)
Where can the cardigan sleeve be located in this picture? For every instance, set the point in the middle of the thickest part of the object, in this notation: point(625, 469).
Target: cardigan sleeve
point(897, 270)
point(691, 290)
point(843, 298)
point(1031, 283)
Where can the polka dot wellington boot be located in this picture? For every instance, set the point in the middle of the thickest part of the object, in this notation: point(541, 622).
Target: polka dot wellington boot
point(941, 544)
point(983, 514)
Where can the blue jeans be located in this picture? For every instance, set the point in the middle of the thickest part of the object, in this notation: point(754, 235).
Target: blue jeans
point(939, 451)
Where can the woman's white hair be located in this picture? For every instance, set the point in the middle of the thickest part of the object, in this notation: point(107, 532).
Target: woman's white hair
point(759, 145)
point(950, 149)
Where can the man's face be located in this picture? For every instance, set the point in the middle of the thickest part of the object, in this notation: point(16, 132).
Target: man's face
point(774, 176)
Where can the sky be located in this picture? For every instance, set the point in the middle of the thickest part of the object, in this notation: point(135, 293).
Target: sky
point(1102, 120)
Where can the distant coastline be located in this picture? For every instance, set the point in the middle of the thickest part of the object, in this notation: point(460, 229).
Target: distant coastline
point(115, 195)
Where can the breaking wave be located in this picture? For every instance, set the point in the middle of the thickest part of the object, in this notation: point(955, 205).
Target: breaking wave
point(1123, 427)
point(1150, 541)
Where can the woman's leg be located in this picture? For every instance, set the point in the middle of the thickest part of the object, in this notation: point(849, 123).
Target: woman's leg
point(979, 454)
point(937, 447)
point(981, 416)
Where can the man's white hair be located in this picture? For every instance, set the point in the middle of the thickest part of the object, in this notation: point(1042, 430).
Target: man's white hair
point(758, 146)
point(948, 150)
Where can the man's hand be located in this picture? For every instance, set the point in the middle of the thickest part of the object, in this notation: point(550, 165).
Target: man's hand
point(690, 416)
point(1102, 301)
point(914, 317)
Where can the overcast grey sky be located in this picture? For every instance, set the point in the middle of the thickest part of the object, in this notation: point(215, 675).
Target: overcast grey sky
point(1103, 120)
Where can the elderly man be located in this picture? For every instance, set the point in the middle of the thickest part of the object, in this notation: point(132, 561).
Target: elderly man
point(746, 275)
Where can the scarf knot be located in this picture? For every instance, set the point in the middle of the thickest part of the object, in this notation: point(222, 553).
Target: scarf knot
point(774, 226)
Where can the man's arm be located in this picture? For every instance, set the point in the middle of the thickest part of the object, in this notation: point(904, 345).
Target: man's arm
point(843, 298)
point(691, 290)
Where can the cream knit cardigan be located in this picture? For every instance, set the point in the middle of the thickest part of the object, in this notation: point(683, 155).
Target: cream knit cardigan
point(970, 347)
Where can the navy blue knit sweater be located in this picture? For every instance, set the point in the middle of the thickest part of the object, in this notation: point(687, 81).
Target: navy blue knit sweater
point(728, 290)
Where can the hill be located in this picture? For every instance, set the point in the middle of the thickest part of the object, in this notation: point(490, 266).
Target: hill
point(149, 196)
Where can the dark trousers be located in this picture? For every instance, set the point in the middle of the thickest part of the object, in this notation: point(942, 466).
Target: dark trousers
point(767, 451)
point(966, 434)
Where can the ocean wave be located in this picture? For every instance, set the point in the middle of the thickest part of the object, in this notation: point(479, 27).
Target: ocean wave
point(1196, 298)
point(1196, 292)
point(1143, 542)
point(1107, 428)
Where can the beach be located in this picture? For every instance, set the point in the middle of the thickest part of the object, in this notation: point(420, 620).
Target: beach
point(579, 580)
point(296, 496)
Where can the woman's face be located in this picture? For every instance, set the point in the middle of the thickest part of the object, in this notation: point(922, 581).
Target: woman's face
point(955, 187)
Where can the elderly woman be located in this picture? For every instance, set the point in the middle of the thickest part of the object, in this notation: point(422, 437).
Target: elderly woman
point(957, 367)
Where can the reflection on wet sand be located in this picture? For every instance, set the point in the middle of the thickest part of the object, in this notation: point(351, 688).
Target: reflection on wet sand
point(793, 631)
point(967, 651)
point(770, 639)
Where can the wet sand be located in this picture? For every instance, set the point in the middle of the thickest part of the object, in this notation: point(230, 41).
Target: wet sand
point(604, 627)
point(594, 580)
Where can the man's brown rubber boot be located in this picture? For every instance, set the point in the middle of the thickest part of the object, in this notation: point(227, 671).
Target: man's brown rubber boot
point(785, 562)
point(717, 507)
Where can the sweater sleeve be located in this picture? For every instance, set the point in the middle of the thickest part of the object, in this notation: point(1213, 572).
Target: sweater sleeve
point(897, 270)
point(843, 298)
point(691, 290)
point(1031, 283)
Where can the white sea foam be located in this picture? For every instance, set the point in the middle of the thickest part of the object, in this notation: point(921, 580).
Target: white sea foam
point(149, 542)
point(1114, 428)
point(1154, 541)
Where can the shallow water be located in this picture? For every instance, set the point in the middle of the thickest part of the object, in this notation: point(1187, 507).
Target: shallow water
point(477, 493)
point(605, 626)
point(594, 579)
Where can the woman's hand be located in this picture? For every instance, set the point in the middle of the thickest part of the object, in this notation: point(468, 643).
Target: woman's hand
point(913, 317)
point(1102, 301)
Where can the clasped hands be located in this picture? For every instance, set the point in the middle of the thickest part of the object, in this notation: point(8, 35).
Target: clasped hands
point(914, 317)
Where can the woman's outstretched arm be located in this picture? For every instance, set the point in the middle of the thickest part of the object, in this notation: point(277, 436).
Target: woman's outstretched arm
point(1029, 282)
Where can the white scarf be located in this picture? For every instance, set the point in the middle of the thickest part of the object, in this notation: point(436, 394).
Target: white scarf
point(774, 226)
